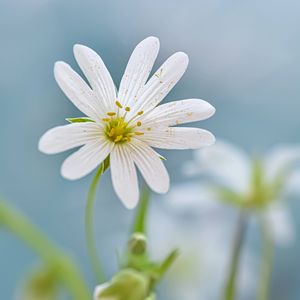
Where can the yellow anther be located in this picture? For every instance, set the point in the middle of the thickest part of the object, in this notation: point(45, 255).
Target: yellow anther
point(139, 133)
point(106, 119)
point(140, 113)
point(111, 113)
point(139, 123)
point(118, 138)
point(127, 108)
point(119, 104)
point(112, 132)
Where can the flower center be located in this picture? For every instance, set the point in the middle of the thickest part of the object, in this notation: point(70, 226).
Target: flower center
point(117, 129)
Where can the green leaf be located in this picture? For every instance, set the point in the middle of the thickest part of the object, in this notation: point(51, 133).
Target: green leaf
point(168, 262)
point(79, 120)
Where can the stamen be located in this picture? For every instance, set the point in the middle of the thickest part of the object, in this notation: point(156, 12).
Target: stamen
point(119, 104)
point(117, 129)
point(112, 132)
point(118, 138)
point(135, 116)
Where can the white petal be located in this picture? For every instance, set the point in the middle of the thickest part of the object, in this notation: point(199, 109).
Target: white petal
point(227, 163)
point(191, 168)
point(138, 70)
point(280, 224)
point(151, 166)
point(292, 185)
point(178, 138)
point(86, 159)
point(77, 90)
point(280, 160)
point(97, 74)
point(193, 197)
point(179, 112)
point(62, 138)
point(124, 177)
point(99, 289)
point(162, 82)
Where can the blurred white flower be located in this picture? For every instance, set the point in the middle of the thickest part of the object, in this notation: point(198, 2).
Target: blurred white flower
point(204, 241)
point(258, 184)
point(126, 124)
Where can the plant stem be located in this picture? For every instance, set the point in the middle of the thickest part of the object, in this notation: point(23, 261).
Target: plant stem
point(89, 226)
point(142, 213)
point(230, 288)
point(68, 272)
point(266, 263)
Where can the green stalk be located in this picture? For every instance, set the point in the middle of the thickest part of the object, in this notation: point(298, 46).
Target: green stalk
point(89, 226)
point(230, 288)
point(68, 272)
point(142, 213)
point(266, 263)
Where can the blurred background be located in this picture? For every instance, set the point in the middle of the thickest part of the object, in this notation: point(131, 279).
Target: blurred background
point(244, 59)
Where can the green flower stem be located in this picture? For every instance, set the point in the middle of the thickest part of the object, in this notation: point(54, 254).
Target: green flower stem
point(68, 272)
point(142, 213)
point(230, 288)
point(266, 263)
point(89, 226)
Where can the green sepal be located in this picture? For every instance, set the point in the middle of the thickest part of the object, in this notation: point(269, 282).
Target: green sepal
point(79, 120)
point(162, 157)
point(168, 262)
point(106, 163)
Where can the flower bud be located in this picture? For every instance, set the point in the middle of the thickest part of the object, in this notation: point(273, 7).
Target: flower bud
point(39, 285)
point(137, 244)
point(151, 297)
point(128, 284)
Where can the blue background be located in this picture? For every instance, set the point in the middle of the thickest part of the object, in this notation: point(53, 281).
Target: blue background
point(244, 59)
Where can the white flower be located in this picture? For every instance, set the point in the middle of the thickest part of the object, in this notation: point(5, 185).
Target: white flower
point(261, 184)
point(204, 239)
point(126, 124)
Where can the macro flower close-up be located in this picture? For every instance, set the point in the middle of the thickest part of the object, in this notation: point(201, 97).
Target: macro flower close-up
point(125, 125)
point(145, 192)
